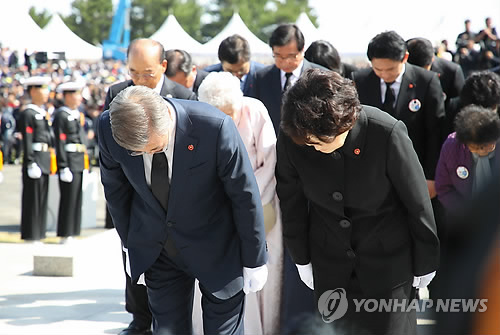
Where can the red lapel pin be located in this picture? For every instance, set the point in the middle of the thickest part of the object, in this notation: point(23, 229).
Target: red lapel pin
point(411, 86)
point(190, 147)
point(357, 151)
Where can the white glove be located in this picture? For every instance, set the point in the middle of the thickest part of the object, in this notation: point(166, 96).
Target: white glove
point(1, 177)
point(34, 171)
point(254, 278)
point(423, 281)
point(306, 274)
point(141, 280)
point(65, 175)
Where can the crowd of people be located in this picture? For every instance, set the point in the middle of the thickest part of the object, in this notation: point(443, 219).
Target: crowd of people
point(267, 185)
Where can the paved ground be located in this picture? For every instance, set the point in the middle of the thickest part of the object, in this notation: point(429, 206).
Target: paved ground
point(89, 303)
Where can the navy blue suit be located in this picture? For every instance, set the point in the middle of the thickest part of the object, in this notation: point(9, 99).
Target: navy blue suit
point(214, 215)
point(249, 86)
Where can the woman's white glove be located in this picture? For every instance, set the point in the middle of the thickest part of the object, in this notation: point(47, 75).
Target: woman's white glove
point(423, 281)
point(306, 274)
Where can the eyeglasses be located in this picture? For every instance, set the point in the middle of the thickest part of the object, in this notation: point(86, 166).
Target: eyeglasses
point(287, 57)
point(142, 75)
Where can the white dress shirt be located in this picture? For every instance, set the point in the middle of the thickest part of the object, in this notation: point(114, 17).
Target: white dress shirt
point(396, 85)
point(294, 77)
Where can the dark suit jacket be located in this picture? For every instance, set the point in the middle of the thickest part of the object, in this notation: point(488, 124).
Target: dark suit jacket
point(214, 212)
point(363, 208)
point(425, 125)
point(249, 88)
point(268, 89)
point(170, 89)
point(200, 76)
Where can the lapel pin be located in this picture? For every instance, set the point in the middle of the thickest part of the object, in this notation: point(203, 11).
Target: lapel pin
point(462, 172)
point(411, 86)
point(357, 151)
point(414, 105)
point(29, 130)
point(190, 147)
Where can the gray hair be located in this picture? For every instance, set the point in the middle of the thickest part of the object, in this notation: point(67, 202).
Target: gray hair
point(221, 89)
point(135, 113)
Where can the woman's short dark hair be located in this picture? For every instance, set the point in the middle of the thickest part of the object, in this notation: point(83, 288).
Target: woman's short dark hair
point(324, 53)
point(477, 125)
point(322, 104)
point(387, 45)
point(481, 88)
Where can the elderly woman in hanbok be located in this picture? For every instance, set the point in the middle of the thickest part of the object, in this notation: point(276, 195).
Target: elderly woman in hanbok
point(222, 90)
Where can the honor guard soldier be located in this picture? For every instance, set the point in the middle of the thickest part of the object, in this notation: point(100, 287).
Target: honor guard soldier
point(37, 141)
point(71, 151)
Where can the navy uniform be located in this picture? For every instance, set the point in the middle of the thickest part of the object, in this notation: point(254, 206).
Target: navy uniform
point(71, 150)
point(37, 141)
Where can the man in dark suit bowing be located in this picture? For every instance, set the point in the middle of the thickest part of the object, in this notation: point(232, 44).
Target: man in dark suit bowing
point(147, 64)
point(234, 55)
point(357, 217)
point(287, 43)
point(180, 68)
point(185, 202)
point(408, 93)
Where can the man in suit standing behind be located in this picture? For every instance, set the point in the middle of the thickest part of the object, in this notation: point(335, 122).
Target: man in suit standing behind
point(147, 64)
point(180, 68)
point(408, 93)
point(185, 202)
point(287, 44)
point(234, 56)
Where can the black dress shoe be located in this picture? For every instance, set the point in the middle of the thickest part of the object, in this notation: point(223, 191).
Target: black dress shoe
point(133, 330)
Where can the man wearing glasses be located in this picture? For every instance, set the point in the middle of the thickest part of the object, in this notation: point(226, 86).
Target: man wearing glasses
point(234, 56)
point(287, 43)
point(147, 65)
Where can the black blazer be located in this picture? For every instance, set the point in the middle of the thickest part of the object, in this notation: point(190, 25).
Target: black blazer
point(425, 125)
point(200, 76)
point(364, 208)
point(268, 89)
point(170, 89)
point(249, 87)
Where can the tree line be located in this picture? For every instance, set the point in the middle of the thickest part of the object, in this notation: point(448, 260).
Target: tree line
point(91, 19)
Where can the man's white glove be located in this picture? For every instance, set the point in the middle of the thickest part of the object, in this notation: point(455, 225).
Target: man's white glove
point(423, 281)
point(306, 274)
point(1, 177)
point(34, 171)
point(65, 175)
point(141, 280)
point(254, 278)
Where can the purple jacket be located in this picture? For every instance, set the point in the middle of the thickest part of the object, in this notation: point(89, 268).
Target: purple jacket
point(455, 173)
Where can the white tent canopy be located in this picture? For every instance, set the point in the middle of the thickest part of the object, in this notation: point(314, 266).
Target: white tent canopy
point(311, 33)
point(73, 46)
point(237, 26)
point(18, 31)
point(173, 36)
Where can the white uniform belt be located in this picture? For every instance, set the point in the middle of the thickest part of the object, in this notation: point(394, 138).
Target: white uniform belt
point(74, 147)
point(38, 146)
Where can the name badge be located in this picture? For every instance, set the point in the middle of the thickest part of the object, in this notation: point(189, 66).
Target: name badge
point(462, 172)
point(415, 105)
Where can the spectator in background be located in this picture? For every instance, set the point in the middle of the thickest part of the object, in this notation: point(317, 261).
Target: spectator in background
point(222, 90)
point(468, 157)
point(180, 68)
point(324, 53)
point(451, 77)
point(464, 37)
point(487, 37)
point(234, 55)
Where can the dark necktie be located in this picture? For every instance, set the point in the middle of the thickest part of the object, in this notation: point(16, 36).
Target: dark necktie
point(388, 105)
point(159, 179)
point(288, 81)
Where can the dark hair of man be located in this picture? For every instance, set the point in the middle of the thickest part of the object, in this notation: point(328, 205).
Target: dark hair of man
point(234, 49)
point(477, 125)
point(421, 51)
point(161, 50)
point(387, 45)
point(178, 60)
point(324, 53)
point(322, 104)
point(466, 21)
point(286, 33)
point(481, 88)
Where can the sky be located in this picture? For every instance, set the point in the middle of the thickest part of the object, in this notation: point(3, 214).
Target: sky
point(350, 25)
